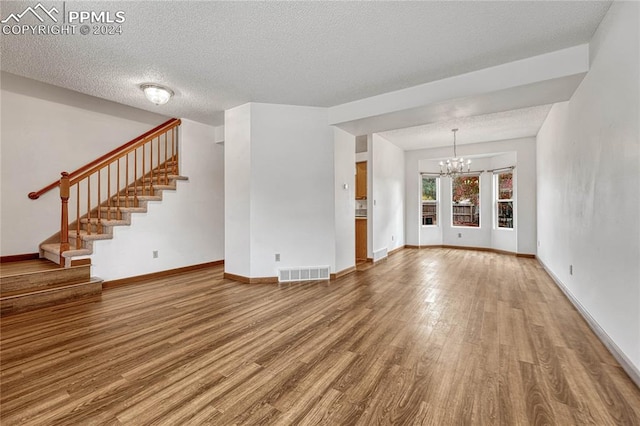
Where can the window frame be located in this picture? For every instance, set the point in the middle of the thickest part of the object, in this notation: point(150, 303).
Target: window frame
point(478, 207)
point(498, 200)
point(435, 202)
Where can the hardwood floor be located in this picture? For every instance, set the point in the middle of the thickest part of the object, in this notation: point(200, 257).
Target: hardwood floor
point(432, 336)
point(34, 265)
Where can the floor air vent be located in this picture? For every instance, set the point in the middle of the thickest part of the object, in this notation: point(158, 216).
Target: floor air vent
point(310, 273)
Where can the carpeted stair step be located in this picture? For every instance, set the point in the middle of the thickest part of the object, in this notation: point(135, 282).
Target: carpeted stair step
point(141, 198)
point(161, 177)
point(115, 209)
point(84, 235)
point(51, 251)
point(105, 222)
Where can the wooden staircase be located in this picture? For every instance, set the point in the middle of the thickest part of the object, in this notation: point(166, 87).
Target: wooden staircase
point(105, 192)
point(116, 211)
point(39, 283)
point(97, 197)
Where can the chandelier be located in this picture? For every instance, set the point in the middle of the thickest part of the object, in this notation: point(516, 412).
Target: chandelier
point(454, 166)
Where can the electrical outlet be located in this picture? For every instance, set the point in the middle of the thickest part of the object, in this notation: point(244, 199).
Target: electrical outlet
point(570, 269)
point(538, 243)
point(155, 254)
point(393, 238)
point(277, 257)
point(459, 234)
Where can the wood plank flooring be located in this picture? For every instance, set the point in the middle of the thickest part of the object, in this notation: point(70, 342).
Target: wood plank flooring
point(432, 336)
point(26, 266)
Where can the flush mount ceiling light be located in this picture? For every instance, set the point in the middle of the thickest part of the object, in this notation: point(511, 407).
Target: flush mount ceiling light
point(454, 166)
point(157, 94)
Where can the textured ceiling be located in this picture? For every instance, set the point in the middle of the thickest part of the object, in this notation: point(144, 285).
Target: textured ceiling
point(514, 124)
point(217, 55)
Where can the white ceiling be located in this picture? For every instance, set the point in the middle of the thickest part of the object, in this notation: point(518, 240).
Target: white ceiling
point(217, 55)
point(513, 124)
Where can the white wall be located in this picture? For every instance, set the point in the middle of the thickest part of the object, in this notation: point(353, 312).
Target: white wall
point(291, 189)
point(45, 130)
point(518, 152)
point(345, 228)
point(589, 184)
point(186, 227)
point(387, 194)
point(292, 192)
point(237, 185)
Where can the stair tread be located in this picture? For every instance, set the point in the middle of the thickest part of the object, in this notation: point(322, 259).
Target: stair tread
point(160, 174)
point(73, 251)
point(106, 222)
point(23, 267)
point(114, 222)
point(125, 209)
point(139, 197)
point(155, 187)
point(50, 288)
point(93, 236)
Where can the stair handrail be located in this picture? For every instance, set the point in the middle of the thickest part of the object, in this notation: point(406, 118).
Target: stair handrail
point(101, 161)
point(73, 179)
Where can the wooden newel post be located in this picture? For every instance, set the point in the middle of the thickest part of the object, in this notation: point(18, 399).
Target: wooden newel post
point(64, 221)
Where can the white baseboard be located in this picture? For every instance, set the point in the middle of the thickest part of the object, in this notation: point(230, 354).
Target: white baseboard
point(617, 353)
point(380, 254)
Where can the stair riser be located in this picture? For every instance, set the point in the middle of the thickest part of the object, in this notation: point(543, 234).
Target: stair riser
point(95, 229)
point(102, 229)
point(159, 176)
point(29, 302)
point(127, 202)
point(50, 256)
point(147, 191)
point(86, 238)
point(44, 280)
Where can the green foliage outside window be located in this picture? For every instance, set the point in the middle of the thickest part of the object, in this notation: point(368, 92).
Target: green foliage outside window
point(428, 188)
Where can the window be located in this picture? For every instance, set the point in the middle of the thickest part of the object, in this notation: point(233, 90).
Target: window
point(429, 200)
point(465, 198)
point(504, 201)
